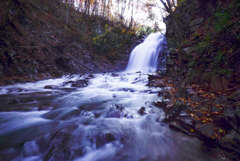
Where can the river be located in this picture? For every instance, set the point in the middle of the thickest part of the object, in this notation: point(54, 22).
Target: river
point(94, 117)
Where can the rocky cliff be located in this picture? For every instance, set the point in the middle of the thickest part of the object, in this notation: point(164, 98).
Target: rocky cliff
point(203, 71)
point(206, 50)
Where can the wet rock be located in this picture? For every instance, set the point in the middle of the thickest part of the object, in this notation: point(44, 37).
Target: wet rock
point(231, 141)
point(167, 96)
point(162, 91)
point(185, 123)
point(51, 87)
point(80, 83)
point(13, 101)
point(127, 89)
point(26, 132)
point(62, 114)
point(152, 77)
point(161, 103)
point(114, 114)
point(156, 83)
point(142, 111)
point(128, 116)
point(103, 139)
point(114, 74)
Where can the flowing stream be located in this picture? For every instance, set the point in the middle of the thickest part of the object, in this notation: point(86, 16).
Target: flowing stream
point(94, 117)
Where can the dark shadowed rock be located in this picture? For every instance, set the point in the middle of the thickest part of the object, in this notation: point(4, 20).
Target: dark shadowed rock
point(235, 96)
point(51, 87)
point(161, 104)
point(221, 122)
point(232, 117)
point(181, 92)
point(221, 100)
point(196, 98)
point(142, 111)
point(231, 141)
point(205, 106)
point(206, 131)
point(80, 83)
point(152, 77)
point(174, 111)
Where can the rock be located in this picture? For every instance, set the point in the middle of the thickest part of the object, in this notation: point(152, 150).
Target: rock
point(232, 116)
point(62, 114)
point(161, 104)
point(206, 132)
point(231, 141)
point(185, 123)
point(196, 21)
point(196, 98)
point(51, 87)
point(114, 114)
point(13, 101)
point(167, 96)
point(175, 110)
point(80, 83)
point(216, 83)
point(235, 96)
point(215, 109)
point(194, 28)
point(181, 92)
point(142, 111)
point(189, 93)
point(205, 106)
point(221, 100)
point(183, 56)
point(219, 83)
point(221, 122)
point(152, 77)
point(189, 50)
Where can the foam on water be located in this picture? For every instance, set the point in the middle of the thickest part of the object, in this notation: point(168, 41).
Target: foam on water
point(144, 57)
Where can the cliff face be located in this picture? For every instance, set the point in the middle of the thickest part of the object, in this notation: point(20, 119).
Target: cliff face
point(43, 39)
point(204, 44)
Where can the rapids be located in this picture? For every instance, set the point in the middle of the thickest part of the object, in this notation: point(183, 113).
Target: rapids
point(93, 117)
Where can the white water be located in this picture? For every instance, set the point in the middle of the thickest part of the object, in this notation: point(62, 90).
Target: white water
point(95, 123)
point(144, 57)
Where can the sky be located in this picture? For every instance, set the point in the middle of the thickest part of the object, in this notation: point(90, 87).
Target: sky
point(141, 12)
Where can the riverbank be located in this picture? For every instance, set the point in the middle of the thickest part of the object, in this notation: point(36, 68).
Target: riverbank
point(209, 116)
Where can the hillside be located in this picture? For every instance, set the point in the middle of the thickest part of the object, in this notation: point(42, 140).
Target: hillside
point(203, 71)
point(41, 39)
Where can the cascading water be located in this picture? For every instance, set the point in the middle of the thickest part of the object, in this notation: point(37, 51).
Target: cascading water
point(144, 57)
point(97, 117)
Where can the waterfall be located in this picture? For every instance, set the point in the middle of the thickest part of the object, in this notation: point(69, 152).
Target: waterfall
point(145, 56)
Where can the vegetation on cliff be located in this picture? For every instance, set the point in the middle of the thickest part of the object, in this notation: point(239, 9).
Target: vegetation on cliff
point(42, 39)
point(207, 52)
